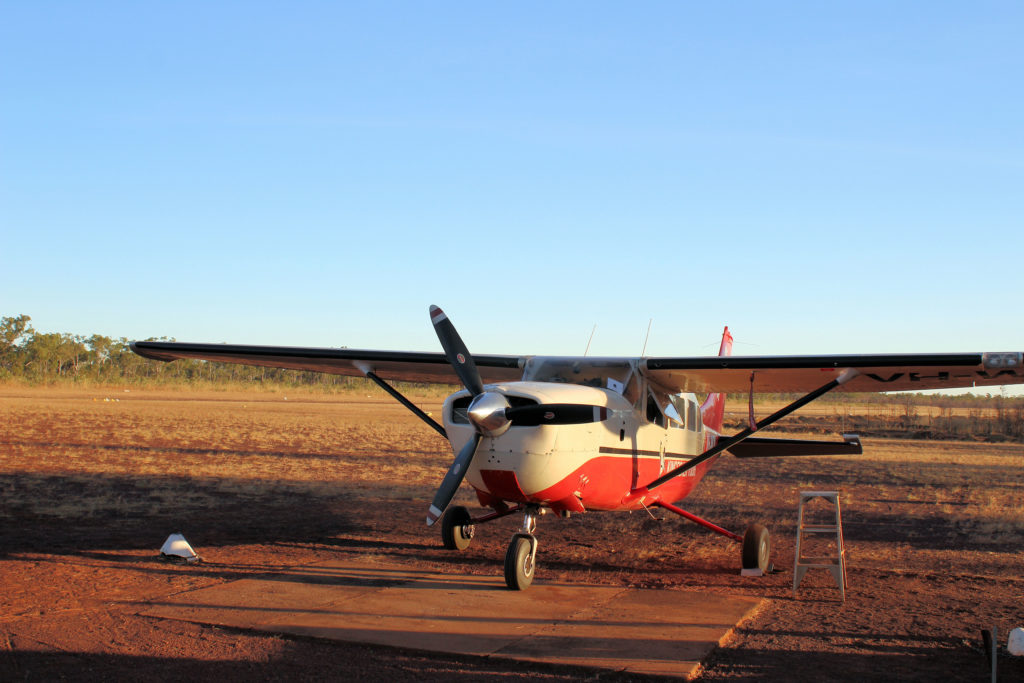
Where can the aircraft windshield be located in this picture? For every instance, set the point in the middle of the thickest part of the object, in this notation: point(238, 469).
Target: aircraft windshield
point(616, 375)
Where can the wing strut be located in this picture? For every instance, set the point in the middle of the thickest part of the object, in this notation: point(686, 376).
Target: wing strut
point(846, 376)
point(405, 402)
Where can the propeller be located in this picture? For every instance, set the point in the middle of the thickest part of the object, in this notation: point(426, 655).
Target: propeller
point(465, 368)
point(456, 351)
point(490, 412)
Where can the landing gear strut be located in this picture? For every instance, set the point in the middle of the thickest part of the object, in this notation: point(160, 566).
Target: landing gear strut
point(521, 557)
point(757, 547)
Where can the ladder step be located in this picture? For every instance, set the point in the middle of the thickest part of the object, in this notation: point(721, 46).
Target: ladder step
point(819, 494)
point(819, 528)
point(817, 562)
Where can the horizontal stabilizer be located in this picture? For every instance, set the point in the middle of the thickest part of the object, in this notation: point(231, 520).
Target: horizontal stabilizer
point(757, 447)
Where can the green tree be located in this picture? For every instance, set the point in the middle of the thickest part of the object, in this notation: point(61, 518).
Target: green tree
point(14, 331)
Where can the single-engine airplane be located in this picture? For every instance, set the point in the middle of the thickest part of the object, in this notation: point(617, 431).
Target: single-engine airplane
point(576, 433)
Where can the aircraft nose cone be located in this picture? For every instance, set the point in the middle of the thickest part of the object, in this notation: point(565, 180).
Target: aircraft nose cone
point(487, 413)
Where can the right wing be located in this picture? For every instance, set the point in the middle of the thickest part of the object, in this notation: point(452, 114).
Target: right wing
point(403, 366)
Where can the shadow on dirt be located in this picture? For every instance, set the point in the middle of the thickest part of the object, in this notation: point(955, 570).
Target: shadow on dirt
point(82, 511)
point(355, 662)
point(913, 660)
point(302, 659)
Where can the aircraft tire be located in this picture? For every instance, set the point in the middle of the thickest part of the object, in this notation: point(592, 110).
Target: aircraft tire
point(456, 530)
point(757, 549)
point(519, 563)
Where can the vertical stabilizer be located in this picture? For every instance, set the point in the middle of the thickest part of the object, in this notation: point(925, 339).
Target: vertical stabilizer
point(713, 409)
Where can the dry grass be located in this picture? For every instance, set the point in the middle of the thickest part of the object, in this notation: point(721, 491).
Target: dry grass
point(73, 455)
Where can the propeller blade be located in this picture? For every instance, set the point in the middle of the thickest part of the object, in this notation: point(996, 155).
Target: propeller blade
point(557, 414)
point(456, 351)
point(452, 478)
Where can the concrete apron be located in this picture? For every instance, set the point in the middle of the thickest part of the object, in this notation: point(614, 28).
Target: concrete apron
point(663, 632)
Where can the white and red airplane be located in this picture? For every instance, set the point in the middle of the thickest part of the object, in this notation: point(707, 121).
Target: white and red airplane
point(575, 433)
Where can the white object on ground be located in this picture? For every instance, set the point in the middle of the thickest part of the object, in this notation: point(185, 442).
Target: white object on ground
point(1016, 642)
point(177, 546)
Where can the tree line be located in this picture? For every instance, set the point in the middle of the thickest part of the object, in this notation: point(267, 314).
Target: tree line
point(41, 358)
point(59, 357)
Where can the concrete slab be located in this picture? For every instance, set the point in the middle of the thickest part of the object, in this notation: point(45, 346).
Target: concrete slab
point(642, 631)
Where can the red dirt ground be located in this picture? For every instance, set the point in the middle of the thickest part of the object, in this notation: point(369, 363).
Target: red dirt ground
point(89, 489)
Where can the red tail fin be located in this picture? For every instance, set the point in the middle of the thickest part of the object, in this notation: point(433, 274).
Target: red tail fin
point(713, 409)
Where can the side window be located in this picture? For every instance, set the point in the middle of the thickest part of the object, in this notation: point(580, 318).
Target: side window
point(693, 420)
point(654, 412)
point(675, 420)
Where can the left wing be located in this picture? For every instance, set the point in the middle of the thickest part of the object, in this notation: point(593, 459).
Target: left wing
point(403, 366)
point(774, 374)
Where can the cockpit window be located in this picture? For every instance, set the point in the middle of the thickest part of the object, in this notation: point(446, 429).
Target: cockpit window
point(603, 374)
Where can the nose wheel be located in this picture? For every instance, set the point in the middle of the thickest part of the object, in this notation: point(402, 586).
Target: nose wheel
point(521, 556)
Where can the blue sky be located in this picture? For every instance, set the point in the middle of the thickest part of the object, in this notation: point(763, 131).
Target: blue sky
point(822, 177)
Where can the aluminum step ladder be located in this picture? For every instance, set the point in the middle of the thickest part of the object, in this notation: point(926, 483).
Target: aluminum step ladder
point(836, 564)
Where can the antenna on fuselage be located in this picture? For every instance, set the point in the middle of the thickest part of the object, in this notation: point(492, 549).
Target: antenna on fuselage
point(648, 336)
point(590, 340)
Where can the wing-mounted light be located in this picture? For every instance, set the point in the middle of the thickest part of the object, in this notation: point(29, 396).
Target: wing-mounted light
point(1005, 359)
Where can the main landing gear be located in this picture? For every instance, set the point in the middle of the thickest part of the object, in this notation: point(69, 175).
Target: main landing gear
point(458, 526)
point(757, 548)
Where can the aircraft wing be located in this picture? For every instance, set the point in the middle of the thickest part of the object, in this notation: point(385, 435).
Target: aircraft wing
point(403, 366)
point(698, 374)
point(894, 372)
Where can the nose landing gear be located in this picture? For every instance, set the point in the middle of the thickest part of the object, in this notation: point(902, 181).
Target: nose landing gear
point(521, 556)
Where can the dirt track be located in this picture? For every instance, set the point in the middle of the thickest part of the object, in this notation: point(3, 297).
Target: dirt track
point(91, 487)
